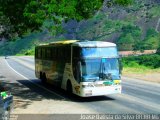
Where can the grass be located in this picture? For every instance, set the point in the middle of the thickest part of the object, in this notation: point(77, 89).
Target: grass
point(139, 70)
point(145, 67)
point(145, 64)
point(155, 11)
point(26, 52)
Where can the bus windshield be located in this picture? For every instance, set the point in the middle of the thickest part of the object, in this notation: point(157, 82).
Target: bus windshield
point(91, 68)
point(107, 52)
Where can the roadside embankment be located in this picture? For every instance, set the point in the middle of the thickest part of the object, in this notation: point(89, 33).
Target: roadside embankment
point(153, 76)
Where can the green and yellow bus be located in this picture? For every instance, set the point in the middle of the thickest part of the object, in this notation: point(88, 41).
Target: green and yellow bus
point(84, 68)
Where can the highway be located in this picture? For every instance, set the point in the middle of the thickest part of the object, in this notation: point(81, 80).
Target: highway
point(17, 74)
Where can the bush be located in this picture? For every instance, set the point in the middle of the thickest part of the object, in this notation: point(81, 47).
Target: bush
point(152, 61)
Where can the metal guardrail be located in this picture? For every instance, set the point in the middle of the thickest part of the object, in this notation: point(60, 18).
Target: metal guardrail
point(6, 106)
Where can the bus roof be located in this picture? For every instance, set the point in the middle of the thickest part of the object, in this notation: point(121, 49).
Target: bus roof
point(81, 43)
point(64, 42)
point(59, 42)
point(94, 44)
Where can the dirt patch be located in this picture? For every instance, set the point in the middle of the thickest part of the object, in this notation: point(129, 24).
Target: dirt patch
point(152, 77)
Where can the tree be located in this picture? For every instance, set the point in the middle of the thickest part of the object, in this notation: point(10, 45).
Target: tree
point(151, 43)
point(12, 12)
point(31, 14)
point(60, 10)
point(130, 38)
point(123, 2)
point(126, 42)
point(151, 40)
point(151, 33)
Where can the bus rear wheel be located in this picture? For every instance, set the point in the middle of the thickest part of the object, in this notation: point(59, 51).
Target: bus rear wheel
point(43, 78)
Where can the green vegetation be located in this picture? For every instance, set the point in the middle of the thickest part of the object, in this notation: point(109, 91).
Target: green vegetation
point(154, 12)
point(24, 15)
point(123, 2)
point(100, 28)
point(141, 64)
point(132, 24)
point(130, 39)
point(120, 21)
point(26, 45)
point(130, 35)
point(21, 47)
point(29, 15)
point(148, 61)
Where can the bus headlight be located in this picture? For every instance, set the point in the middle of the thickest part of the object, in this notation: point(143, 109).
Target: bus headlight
point(88, 92)
point(117, 82)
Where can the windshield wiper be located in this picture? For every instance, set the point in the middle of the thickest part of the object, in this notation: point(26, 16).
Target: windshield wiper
point(102, 70)
point(102, 73)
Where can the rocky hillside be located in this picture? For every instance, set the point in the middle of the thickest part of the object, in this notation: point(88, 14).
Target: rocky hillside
point(137, 23)
point(136, 27)
point(108, 22)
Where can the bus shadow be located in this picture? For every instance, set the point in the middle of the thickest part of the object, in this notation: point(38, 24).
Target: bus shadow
point(89, 99)
point(75, 98)
point(18, 91)
point(25, 92)
point(38, 91)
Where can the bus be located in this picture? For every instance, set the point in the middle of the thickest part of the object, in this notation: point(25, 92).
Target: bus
point(84, 68)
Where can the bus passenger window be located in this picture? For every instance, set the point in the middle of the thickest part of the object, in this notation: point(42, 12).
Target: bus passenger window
point(39, 53)
point(43, 53)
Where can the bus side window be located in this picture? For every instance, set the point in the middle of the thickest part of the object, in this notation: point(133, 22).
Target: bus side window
point(68, 53)
point(58, 54)
point(53, 53)
point(75, 63)
point(36, 52)
point(43, 53)
point(65, 54)
point(39, 53)
point(48, 53)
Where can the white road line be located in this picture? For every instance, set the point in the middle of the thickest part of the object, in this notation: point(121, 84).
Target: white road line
point(32, 81)
point(26, 64)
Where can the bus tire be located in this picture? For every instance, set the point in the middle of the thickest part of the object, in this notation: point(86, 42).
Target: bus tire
point(6, 115)
point(69, 87)
point(40, 75)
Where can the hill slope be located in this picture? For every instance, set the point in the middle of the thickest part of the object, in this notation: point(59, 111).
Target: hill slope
point(135, 27)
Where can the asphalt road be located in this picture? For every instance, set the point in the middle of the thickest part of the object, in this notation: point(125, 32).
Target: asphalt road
point(17, 74)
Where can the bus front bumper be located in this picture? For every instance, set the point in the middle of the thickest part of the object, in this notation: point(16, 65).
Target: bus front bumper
point(99, 91)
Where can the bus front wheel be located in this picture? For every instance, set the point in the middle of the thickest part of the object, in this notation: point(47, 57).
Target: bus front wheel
point(69, 87)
